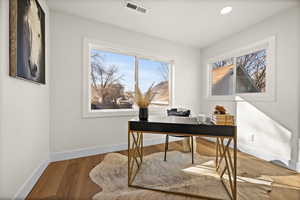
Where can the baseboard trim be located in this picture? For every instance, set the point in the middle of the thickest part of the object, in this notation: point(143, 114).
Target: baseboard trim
point(260, 153)
point(26, 188)
point(295, 166)
point(298, 167)
point(78, 153)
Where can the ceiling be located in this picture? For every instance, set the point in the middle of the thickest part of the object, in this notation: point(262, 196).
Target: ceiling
point(195, 23)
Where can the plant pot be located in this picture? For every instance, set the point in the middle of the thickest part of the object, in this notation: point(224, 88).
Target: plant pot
point(143, 114)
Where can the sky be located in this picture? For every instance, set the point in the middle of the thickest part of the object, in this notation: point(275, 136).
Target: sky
point(149, 71)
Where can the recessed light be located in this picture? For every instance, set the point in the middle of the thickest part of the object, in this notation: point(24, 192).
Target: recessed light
point(226, 10)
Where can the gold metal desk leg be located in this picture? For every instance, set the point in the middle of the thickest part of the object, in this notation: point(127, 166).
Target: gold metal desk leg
point(230, 167)
point(235, 164)
point(135, 154)
point(223, 153)
point(129, 157)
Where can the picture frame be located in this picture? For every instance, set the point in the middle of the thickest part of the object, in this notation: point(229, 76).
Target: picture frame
point(27, 41)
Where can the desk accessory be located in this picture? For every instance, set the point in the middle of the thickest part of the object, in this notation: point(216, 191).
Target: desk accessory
point(143, 101)
point(220, 117)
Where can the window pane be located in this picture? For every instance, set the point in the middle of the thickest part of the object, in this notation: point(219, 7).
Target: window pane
point(112, 80)
point(222, 77)
point(157, 73)
point(251, 73)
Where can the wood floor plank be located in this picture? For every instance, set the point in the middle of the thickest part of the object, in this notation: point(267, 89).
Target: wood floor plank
point(87, 187)
point(49, 182)
point(70, 179)
point(284, 194)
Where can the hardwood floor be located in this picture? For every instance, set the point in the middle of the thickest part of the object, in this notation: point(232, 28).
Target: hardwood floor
point(70, 179)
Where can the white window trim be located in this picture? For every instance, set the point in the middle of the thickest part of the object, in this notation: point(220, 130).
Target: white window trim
point(270, 94)
point(88, 44)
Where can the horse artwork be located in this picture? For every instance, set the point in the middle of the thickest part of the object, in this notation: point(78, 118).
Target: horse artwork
point(27, 40)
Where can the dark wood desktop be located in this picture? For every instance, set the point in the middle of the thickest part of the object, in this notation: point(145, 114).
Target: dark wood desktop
point(184, 126)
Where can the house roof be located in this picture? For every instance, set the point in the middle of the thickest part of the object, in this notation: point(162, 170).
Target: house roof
point(220, 72)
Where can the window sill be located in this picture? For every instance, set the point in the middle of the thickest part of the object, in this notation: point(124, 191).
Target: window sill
point(121, 113)
point(244, 97)
point(110, 113)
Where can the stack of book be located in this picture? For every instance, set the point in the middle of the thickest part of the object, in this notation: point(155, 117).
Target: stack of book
point(223, 119)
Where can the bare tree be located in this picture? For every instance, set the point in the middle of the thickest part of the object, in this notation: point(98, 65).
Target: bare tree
point(223, 63)
point(254, 66)
point(105, 79)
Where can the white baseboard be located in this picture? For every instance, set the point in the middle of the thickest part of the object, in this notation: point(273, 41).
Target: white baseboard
point(262, 154)
point(78, 153)
point(295, 166)
point(265, 155)
point(31, 181)
point(26, 188)
point(298, 167)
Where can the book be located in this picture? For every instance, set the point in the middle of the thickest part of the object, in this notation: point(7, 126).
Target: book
point(223, 119)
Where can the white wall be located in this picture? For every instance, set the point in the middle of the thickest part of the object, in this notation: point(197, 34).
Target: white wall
point(275, 125)
point(69, 130)
point(24, 121)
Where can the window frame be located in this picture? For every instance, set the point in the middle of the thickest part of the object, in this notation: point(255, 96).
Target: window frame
point(269, 45)
point(88, 45)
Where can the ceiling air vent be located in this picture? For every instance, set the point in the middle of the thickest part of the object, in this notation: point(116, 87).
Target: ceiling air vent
point(134, 6)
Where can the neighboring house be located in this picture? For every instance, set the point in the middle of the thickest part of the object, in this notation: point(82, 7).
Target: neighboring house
point(223, 81)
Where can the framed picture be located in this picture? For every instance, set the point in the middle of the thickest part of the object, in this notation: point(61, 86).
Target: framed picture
point(27, 40)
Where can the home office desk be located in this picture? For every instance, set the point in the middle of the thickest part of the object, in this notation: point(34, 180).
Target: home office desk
point(182, 126)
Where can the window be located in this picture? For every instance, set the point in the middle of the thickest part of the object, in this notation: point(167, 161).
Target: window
point(111, 76)
point(247, 73)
